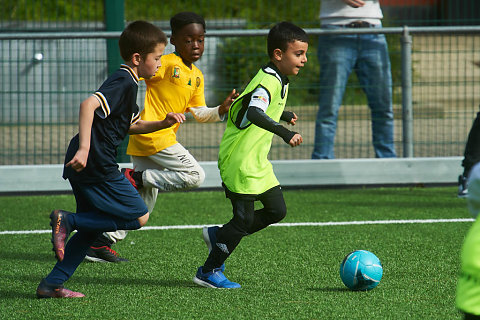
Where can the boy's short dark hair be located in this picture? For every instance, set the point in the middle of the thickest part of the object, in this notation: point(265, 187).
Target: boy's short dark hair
point(282, 34)
point(140, 37)
point(182, 19)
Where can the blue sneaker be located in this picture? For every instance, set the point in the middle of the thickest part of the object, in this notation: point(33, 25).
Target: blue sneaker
point(214, 279)
point(210, 238)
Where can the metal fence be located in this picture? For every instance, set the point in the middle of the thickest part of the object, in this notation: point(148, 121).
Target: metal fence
point(45, 76)
point(53, 54)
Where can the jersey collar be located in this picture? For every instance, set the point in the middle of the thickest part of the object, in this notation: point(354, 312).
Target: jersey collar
point(132, 73)
point(271, 68)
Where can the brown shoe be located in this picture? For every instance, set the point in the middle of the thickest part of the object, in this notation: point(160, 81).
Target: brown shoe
point(60, 231)
point(46, 290)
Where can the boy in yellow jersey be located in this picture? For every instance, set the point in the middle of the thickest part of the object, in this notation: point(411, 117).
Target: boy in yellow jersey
point(246, 173)
point(160, 161)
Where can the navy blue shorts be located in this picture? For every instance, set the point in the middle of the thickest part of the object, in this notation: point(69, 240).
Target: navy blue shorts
point(115, 197)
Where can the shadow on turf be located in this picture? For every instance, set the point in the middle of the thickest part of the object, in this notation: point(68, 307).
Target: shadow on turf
point(34, 279)
point(17, 255)
point(108, 280)
point(17, 294)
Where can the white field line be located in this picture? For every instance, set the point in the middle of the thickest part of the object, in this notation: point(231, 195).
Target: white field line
point(291, 224)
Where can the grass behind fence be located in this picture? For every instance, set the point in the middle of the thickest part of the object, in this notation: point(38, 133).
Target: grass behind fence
point(286, 272)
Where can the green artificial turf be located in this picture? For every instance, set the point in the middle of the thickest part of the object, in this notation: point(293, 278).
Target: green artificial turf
point(286, 272)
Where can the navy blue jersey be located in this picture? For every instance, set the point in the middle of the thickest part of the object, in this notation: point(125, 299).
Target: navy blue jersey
point(118, 110)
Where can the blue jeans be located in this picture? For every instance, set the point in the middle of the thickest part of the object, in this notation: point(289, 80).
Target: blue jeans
point(338, 56)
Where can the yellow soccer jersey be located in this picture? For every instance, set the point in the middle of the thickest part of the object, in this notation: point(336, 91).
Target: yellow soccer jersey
point(174, 88)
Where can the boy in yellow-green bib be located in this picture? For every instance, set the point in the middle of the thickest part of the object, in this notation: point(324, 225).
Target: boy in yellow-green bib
point(246, 173)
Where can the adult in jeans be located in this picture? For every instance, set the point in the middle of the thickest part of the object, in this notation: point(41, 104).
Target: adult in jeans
point(339, 55)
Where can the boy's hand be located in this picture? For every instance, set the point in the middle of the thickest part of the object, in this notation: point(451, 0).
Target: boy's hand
point(228, 102)
point(79, 160)
point(173, 118)
point(294, 119)
point(296, 140)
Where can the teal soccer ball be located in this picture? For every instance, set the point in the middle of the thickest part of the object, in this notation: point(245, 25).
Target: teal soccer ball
point(361, 270)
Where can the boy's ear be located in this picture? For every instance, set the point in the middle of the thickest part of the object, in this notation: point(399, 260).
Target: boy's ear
point(136, 58)
point(277, 54)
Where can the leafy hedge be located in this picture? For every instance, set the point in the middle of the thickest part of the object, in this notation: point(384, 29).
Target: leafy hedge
point(240, 57)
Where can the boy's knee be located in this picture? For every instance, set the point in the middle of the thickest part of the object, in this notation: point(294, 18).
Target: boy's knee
point(278, 214)
point(143, 219)
point(196, 178)
point(242, 226)
point(243, 223)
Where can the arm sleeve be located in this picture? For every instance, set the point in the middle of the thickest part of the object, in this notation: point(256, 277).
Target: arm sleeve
point(287, 116)
point(206, 114)
point(259, 118)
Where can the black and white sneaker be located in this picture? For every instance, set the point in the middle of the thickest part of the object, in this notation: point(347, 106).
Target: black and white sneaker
point(462, 186)
point(103, 254)
point(210, 238)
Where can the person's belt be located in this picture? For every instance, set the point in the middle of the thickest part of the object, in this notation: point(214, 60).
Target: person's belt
point(358, 24)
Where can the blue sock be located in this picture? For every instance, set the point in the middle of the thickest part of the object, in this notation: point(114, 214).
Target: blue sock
point(75, 251)
point(89, 226)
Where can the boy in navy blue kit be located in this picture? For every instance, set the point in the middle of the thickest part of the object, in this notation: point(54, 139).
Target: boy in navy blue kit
point(106, 201)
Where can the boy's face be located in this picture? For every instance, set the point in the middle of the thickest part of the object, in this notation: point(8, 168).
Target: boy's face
point(149, 66)
point(294, 58)
point(189, 42)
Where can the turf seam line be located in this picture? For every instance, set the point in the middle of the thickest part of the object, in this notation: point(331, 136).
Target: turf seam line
point(285, 224)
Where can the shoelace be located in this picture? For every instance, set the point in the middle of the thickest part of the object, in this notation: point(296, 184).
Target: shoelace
point(109, 249)
point(112, 251)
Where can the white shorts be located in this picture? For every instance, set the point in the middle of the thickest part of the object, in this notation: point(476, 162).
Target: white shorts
point(171, 169)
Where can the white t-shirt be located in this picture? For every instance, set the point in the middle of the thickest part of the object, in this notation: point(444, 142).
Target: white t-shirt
point(338, 12)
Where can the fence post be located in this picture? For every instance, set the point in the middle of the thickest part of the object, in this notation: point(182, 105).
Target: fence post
point(407, 110)
point(115, 21)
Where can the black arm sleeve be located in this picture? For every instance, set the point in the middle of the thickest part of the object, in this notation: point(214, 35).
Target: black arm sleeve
point(287, 116)
point(260, 119)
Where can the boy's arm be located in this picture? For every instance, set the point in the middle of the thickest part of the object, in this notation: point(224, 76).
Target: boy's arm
point(143, 126)
point(259, 103)
point(259, 118)
point(225, 106)
point(289, 117)
point(87, 110)
point(205, 114)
